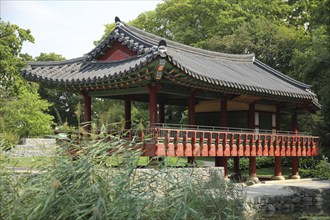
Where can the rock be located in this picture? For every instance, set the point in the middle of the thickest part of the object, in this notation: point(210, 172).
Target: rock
point(250, 183)
point(278, 206)
point(296, 200)
point(286, 206)
point(287, 200)
point(270, 208)
point(248, 209)
point(318, 199)
point(307, 199)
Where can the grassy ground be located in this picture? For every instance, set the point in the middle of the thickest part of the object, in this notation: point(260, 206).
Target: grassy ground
point(33, 162)
point(268, 172)
point(27, 162)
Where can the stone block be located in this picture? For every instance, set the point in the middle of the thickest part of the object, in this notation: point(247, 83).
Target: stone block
point(278, 206)
point(270, 208)
point(307, 199)
point(296, 200)
point(288, 200)
point(286, 206)
point(319, 200)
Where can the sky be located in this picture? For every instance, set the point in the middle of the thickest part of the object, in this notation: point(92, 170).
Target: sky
point(68, 28)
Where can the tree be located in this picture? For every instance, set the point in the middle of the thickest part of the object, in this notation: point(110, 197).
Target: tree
point(64, 102)
point(22, 112)
point(272, 43)
point(44, 57)
point(25, 115)
point(12, 38)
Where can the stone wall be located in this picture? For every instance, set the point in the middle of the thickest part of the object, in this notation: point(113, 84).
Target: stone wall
point(300, 199)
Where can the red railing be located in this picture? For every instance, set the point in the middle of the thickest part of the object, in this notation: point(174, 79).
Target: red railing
point(178, 140)
point(199, 141)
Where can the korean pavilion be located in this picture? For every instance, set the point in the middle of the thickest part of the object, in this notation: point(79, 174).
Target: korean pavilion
point(234, 102)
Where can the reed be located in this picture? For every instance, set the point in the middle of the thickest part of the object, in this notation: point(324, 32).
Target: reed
point(84, 187)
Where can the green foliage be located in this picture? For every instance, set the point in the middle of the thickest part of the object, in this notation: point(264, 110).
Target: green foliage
point(21, 110)
point(271, 42)
point(44, 57)
point(262, 162)
point(320, 169)
point(108, 113)
point(8, 140)
point(84, 189)
point(64, 102)
point(140, 116)
point(107, 30)
point(25, 115)
point(26, 162)
point(323, 169)
point(12, 38)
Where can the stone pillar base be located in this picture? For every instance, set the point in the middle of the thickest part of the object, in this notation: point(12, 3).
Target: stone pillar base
point(254, 179)
point(294, 177)
point(278, 178)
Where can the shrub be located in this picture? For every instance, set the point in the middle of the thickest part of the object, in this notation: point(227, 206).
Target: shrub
point(85, 188)
point(321, 170)
point(262, 162)
point(8, 140)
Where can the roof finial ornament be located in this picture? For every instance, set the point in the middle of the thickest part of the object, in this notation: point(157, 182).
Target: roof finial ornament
point(162, 48)
point(118, 21)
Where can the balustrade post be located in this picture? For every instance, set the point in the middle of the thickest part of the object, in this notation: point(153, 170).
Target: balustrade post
point(295, 164)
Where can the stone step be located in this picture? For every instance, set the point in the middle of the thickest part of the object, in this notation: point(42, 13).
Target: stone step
point(30, 153)
point(33, 147)
point(44, 142)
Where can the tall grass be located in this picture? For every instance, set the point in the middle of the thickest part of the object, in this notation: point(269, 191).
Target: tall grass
point(84, 187)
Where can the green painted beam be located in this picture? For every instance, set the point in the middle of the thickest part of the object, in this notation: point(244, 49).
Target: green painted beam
point(117, 92)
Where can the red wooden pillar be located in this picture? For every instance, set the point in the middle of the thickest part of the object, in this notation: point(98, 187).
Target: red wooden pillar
point(191, 109)
point(252, 159)
point(191, 117)
point(278, 159)
point(236, 165)
point(295, 165)
point(153, 104)
point(87, 111)
point(128, 122)
point(223, 161)
point(161, 107)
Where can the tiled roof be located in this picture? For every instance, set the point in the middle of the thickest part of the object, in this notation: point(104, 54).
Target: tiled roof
point(240, 73)
point(76, 72)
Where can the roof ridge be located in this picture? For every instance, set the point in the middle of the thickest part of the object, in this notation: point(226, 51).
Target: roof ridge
point(116, 61)
point(152, 38)
point(60, 62)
